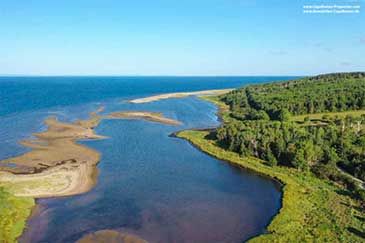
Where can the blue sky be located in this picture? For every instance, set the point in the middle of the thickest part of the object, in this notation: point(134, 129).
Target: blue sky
point(184, 37)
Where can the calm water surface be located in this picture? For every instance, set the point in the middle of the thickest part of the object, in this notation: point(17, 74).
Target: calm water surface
point(155, 186)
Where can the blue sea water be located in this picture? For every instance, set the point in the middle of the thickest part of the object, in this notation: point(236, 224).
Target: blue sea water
point(150, 184)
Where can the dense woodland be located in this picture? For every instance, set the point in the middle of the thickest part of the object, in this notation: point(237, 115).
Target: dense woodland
point(262, 124)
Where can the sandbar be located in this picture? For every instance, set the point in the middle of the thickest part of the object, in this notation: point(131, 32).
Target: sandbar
point(57, 165)
point(179, 95)
point(149, 116)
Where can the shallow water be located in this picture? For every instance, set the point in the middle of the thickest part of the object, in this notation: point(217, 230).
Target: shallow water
point(157, 187)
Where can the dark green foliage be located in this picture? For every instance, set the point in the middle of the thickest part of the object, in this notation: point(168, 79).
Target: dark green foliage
point(263, 126)
point(283, 114)
point(360, 194)
point(324, 93)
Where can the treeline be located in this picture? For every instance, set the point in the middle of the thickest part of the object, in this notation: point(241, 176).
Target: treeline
point(324, 93)
point(263, 126)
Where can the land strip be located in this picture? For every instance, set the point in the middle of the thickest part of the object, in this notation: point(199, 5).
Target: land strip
point(179, 95)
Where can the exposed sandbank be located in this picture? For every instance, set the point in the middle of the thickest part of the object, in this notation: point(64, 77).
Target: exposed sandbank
point(57, 164)
point(179, 95)
point(150, 116)
point(110, 236)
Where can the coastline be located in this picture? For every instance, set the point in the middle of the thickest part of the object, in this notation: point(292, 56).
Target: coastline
point(57, 166)
point(307, 202)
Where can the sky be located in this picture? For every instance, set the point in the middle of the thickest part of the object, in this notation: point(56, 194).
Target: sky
point(178, 37)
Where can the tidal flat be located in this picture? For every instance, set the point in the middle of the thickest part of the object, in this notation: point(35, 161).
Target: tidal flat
point(58, 165)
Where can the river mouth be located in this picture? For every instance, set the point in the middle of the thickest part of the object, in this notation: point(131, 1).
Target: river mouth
point(160, 188)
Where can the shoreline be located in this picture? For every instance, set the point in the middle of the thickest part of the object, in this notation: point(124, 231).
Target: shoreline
point(154, 98)
point(279, 183)
point(306, 201)
point(303, 197)
point(14, 177)
point(85, 175)
point(58, 165)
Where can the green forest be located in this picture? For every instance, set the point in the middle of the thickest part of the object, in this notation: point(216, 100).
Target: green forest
point(304, 124)
point(308, 135)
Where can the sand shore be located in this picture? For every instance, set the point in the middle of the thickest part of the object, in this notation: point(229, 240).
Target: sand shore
point(149, 116)
point(179, 95)
point(57, 164)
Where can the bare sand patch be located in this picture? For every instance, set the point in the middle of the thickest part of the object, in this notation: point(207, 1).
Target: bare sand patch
point(179, 95)
point(150, 116)
point(57, 164)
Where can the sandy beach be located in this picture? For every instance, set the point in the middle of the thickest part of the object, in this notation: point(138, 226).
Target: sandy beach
point(179, 95)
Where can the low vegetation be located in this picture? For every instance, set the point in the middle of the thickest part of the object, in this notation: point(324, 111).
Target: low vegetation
point(303, 134)
point(14, 212)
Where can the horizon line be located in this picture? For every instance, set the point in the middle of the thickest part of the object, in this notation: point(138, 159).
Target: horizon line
point(173, 75)
point(154, 75)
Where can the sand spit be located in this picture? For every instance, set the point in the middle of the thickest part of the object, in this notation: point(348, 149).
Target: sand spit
point(179, 95)
point(110, 236)
point(149, 116)
point(57, 164)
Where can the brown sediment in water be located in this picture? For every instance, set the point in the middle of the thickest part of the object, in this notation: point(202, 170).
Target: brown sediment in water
point(179, 95)
point(110, 236)
point(57, 164)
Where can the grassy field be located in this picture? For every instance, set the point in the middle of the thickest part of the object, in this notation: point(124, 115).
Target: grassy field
point(313, 210)
point(14, 212)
